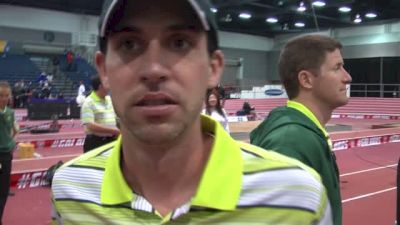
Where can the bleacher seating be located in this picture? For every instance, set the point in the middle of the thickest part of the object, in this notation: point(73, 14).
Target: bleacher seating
point(80, 70)
point(379, 106)
point(17, 67)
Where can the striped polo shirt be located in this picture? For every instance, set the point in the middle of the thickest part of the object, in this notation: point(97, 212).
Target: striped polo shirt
point(97, 110)
point(241, 184)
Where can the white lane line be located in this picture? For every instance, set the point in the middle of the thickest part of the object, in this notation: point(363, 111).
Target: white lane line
point(47, 157)
point(29, 171)
point(363, 171)
point(368, 195)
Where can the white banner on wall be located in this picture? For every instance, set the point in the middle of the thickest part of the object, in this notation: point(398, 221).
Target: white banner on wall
point(267, 91)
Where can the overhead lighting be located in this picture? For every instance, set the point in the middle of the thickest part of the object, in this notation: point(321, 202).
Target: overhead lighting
point(214, 10)
point(371, 15)
point(319, 3)
point(357, 19)
point(299, 24)
point(245, 16)
point(272, 20)
point(344, 9)
point(301, 7)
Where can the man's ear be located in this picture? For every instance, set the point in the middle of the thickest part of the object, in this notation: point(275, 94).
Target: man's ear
point(306, 79)
point(217, 63)
point(100, 59)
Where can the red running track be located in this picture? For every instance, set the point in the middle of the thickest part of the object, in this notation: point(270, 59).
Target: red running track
point(360, 174)
point(368, 184)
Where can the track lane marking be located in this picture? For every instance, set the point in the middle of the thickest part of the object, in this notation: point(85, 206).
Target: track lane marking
point(47, 157)
point(368, 170)
point(368, 195)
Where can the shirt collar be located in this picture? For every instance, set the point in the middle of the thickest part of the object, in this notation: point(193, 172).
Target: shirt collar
point(114, 189)
point(219, 186)
point(95, 97)
point(307, 112)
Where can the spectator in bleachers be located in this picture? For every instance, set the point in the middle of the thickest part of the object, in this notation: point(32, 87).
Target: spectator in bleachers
point(41, 79)
point(311, 69)
point(98, 117)
point(81, 88)
point(214, 108)
point(50, 78)
point(46, 90)
point(8, 131)
point(70, 60)
point(28, 93)
point(18, 93)
point(80, 98)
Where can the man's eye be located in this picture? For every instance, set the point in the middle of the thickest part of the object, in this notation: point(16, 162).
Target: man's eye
point(130, 45)
point(180, 44)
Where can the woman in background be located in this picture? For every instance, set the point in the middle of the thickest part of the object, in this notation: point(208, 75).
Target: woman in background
point(214, 108)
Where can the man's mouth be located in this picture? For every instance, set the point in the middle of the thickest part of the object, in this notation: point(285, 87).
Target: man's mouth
point(155, 102)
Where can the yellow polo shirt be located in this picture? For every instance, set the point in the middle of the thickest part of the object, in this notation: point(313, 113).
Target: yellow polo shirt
point(241, 184)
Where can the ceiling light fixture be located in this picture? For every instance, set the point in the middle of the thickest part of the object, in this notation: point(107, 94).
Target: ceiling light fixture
point(214, 10)
point(301, 7)
point(319, 3)
point(245, 16)
point(271, 20)
point(299, 24)
point(371, 15)
point(344, 9)
point(357, 19)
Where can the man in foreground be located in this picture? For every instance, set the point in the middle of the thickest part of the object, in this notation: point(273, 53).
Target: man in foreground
point(171, 164)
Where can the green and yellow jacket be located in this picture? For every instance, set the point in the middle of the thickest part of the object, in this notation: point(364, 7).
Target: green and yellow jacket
point(294, 131)
point(7, 119)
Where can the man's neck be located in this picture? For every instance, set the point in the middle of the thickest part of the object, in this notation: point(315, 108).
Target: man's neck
point(167, 178)
point(320, 111)
point(100, 94)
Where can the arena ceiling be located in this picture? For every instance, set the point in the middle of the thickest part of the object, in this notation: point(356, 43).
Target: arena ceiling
point(285, 12)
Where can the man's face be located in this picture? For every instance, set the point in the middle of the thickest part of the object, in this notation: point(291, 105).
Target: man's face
point(158, 69)
point(5, 94)
point(330, 86)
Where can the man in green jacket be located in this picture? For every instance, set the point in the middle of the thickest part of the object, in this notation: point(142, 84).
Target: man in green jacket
point(311, 70)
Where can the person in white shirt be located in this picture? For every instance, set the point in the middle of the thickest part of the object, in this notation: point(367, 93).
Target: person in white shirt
point(81, 89)
point(213, 108)
point(81, 94)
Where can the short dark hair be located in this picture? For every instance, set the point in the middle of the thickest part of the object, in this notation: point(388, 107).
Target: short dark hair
point(303, 53)
point(96, 82)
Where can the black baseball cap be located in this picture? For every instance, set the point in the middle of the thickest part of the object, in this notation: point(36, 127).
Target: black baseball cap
point(202, 9)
